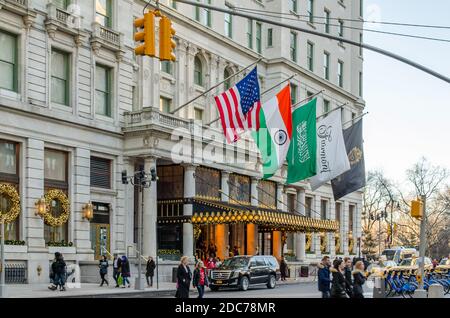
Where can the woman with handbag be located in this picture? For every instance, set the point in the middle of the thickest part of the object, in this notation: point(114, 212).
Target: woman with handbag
point(184, 277)
point(103, 265)
point(338, 282)
point(200, 279)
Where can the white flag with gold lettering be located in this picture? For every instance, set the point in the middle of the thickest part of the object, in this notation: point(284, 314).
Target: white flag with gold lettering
point(332, 159)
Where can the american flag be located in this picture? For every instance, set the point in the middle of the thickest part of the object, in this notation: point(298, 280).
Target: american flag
point(239, 107)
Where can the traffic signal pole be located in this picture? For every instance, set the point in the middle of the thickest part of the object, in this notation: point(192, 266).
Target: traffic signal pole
point(336, 38)
point(420, 292)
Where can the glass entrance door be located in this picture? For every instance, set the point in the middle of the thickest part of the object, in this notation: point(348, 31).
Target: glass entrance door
point(100, 238)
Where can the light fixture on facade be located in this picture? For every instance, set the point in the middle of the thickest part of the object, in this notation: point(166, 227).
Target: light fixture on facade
point(41, 207)
point(88, 211)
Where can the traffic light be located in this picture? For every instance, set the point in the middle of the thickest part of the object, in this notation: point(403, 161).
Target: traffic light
point(124, 177)
point(417, 209)
point(146, 36)
point(166, 42)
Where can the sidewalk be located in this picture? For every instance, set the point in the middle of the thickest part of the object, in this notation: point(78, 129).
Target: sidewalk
point(94, 290)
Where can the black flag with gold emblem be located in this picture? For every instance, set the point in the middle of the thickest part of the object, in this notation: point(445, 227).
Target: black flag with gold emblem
point(355, 178)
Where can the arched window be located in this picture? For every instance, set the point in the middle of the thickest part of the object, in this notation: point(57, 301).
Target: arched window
point(198, 71)
point(226, 74)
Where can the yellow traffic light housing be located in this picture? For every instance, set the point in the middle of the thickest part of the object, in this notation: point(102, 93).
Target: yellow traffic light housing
point(166, 42)
point(146, 36)
point(417, 209)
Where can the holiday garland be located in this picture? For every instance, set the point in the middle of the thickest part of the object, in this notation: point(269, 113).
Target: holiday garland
point(14, 211)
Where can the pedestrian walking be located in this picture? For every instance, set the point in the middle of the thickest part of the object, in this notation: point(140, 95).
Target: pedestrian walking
point(283, 268)
point(348, 276)
point(116, 269)
point(359, 279)
point(150, 271)
point(125, 271)
point(103, 265)
point(338, 281)
point(59, 270)
point(184, 277)
point(324, 277)
point(200, 279)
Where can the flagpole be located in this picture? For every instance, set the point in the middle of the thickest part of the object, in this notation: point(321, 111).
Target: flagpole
point(357, 117)
point(213, 87)
point(307, 99)
point(263, 93)
point(339, 107)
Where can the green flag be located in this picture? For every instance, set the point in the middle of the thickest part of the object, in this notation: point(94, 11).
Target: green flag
point(302, 153)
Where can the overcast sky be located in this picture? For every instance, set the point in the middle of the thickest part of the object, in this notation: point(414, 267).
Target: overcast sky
point(409, 110)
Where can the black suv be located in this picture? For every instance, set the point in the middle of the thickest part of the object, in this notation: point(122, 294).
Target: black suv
point(243, 271)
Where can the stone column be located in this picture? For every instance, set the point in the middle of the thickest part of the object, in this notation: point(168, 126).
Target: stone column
point(223, 229)
point(82, 195)
point(189, 193)
point(276, 238)
point(252, 229)
point(344, 228)
point(150, 213)
point(128, 165)
point(31, 191)
point(317, 215)
point(300, 237)
point(331, 236)
point(189, 80)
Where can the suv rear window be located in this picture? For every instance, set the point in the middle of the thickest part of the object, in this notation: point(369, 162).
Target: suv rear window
point(272, 262)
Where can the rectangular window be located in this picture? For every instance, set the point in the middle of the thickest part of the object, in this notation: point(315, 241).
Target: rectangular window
point(100, 173)
point(327, 21)
point(8, 61)
point(173, 4)
point(203, 15)
point(308, 206)
point(311, 11)
point(341, 28)
point(228, 25)
point(293, 5)
point(361, 8)
point(166, 67)
point(269, 37)
point(61, 4)
point(103, 90)
point(326, 65)
point(326, 106)
point(60, 77)
point(198, 114)
point(103, 9)
point(165, 105)
point(293, 46)
point(9, 174)
point(340, 73)
point(294, 89)
point(360, 84)
point(360, 42)
point(310, 56)
point(338, 212)
point(56, 178)
point(351, 212)
point(258, 37)
point(250, 34)
point(324, 209)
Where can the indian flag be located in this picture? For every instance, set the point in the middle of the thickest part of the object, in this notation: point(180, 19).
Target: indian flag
point(274, 135)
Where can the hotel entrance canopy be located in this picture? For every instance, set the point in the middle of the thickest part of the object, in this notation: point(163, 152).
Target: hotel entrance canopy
point(213, 212)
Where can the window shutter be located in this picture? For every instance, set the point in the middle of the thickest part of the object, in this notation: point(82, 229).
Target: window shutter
point(100, 173)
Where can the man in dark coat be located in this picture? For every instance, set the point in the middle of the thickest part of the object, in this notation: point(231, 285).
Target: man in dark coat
point(150, 271)
point(59, 271)
point(338, 282)
point(324, 277)
point(348, 276)
point(283, 268)
point(184, 277)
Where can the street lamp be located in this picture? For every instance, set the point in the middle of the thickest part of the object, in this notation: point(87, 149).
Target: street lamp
point(142, 180)
point(88, 211)
point(41, 207)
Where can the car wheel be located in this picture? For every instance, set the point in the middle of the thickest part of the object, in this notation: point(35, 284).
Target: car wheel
point(214, 288)
point(244, 283)
point(272, 282)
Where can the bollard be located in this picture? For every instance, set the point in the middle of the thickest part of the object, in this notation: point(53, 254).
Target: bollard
point(379, 289)
point(436, 291)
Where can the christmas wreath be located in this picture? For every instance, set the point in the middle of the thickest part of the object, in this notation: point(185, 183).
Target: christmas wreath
point(56, 195)
point(10, 192)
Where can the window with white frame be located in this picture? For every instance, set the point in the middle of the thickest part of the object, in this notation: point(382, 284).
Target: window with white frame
point(8, 61)
point(60, 68)
point(228, 25)
point(103, 86)
point(103, 12)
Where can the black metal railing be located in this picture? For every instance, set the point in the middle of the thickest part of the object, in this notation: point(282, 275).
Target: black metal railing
point(16, 274)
